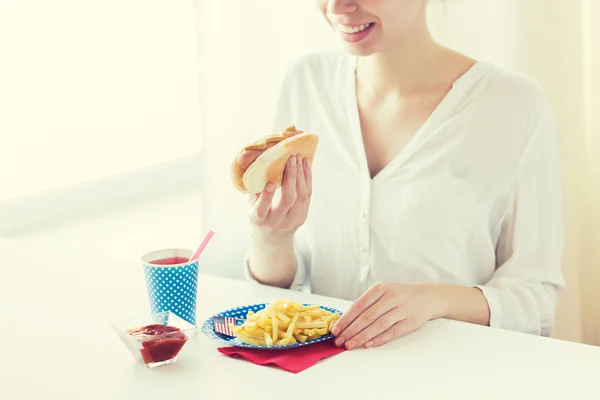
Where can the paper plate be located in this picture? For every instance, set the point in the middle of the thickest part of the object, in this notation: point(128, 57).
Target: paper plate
point(208, 328)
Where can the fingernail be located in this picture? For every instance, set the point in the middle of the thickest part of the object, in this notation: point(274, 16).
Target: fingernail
point(368, 344)
point(350, 345)
point(335, 331)
point(339, 342)
point(292, 161)
point(270, 187)
point(307, 161)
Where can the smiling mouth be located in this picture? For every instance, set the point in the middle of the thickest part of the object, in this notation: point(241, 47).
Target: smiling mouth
point(353, 29)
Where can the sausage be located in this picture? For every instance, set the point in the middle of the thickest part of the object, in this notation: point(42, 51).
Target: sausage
point(247, 157)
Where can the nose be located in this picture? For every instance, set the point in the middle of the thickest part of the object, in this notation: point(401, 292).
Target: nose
point(341, 6)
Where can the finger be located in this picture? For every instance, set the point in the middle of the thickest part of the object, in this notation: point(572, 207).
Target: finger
point(358, 307)
point(299, 208)
point(308, 176)
point(301, 189)
point(263, 203)
point(365, 320)
point(397, 330)
point(379, 326)
point(288, 190)
point(253, 197)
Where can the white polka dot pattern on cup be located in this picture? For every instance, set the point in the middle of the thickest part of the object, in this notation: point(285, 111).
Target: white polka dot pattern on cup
point(173, 289)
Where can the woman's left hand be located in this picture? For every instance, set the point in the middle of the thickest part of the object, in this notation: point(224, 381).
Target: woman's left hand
point(386, 311)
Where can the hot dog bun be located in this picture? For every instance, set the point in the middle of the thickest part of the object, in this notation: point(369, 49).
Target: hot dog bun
point(270, 164)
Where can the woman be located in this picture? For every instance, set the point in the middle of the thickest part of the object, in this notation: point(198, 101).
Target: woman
point(435, 191)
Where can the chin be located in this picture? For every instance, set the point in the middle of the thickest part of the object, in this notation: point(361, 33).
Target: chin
point(364, 48)
point(359, 50)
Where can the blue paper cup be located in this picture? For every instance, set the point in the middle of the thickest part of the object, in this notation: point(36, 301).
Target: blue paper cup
point(172, 282)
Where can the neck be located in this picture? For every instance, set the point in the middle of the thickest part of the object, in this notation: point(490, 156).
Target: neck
point(412, 64)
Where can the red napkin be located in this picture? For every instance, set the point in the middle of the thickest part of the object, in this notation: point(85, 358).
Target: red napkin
point(292, 360)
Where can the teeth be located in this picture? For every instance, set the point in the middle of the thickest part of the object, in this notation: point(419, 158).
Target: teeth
point(353, 29)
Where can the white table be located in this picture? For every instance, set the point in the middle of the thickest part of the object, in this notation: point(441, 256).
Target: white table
point(56, 343)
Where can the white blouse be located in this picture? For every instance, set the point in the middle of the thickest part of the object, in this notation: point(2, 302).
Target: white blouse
point(474, 199)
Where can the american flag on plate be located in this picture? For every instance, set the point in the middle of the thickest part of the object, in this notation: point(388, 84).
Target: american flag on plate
point(222, 323)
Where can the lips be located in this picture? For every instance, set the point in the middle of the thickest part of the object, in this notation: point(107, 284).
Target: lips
point(354, 33)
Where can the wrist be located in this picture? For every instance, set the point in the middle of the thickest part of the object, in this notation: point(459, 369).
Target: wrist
point(269, 240)
point(461, 303)
point(271, 261)
point(439, 298)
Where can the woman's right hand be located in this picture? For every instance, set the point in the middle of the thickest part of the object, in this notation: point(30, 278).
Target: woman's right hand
point(281, 220)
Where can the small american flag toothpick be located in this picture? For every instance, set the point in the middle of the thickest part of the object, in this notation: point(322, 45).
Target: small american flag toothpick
point(222, 324)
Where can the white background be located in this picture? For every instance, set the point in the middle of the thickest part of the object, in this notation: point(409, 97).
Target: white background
point(91, 88)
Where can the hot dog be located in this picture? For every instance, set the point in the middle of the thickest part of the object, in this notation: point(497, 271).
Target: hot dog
point(264, 160)
point(252, 152)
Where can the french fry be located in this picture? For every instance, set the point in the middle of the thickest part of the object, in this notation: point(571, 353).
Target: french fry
point(301, 338)
point(288, 340)
point(251, 342)
point(268, 339)
point(258, 335)
point(310, 325)
point(282, 317)
point(332, 317)
point(275, 329)
point(265, 314)
point(302, 307)
point(310, 332)
point(291, 328)
point(317, 313)
point(282, 334)
point(251, 325)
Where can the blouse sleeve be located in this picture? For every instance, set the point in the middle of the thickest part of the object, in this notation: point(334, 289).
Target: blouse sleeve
point(522, 293)
point(283, 118)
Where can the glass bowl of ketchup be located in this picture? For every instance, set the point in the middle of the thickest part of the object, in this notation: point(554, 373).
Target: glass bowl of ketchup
point(155, 339)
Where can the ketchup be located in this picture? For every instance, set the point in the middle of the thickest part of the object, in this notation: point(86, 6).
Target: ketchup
point(157, 349)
